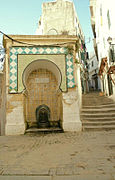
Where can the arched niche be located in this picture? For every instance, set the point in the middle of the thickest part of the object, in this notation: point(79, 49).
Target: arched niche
point(42, 81)
point(52, 32)
point(42, 64)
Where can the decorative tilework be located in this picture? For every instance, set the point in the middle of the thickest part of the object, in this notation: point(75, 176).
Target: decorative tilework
point(14, 51)
point(58, 60)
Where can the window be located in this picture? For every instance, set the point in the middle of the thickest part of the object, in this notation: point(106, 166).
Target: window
point(101, 10)
point(104, 42)
point(101, 14)
point(91, 10)
point(89, 66)
point(108, 19)
point(92, 64)
point(112, 54)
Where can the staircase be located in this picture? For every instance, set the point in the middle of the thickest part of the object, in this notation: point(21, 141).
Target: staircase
point(98, 112)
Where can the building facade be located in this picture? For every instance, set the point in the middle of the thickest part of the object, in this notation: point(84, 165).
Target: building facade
point(41, 83)
point(60, 18)
point(93, 69)
point(102, 20)
point(42, 86)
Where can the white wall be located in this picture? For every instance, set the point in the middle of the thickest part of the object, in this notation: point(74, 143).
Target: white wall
point(103, 31)
point(59, 17)
point(93, 70)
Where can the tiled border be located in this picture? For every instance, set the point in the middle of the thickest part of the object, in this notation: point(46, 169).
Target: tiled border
point(14, 51)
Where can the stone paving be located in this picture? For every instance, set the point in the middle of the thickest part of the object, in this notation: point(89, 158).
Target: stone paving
point(58, 156)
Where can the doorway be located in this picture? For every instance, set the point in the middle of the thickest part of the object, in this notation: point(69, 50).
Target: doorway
point(110, 87)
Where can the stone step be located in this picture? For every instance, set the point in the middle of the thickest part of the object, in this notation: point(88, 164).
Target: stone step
point(44, 130)
point(112, 106)
point(98, 128)
point(106, 114)
point(98, 123)
point(95, 104)
point(96, 101)
point(94, 96)
point(97, 119)
point(88, 102)
point(98, 110)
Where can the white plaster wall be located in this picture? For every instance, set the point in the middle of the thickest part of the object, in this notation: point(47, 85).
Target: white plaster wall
point(95, 62)
point(93, 69)
point(15, 123)
point(59, 17)
point(78, 84)
point(71, 113)
point(103, 32)
point(113, 96)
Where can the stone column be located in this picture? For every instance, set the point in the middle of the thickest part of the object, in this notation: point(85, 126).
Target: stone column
point(78, 82)
point(15, 124)
point(71, 114)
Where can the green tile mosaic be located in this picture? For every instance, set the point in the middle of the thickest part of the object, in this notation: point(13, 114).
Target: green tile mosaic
point(15, 78)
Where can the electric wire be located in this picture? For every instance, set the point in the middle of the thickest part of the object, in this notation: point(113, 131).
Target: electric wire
point(21, 42)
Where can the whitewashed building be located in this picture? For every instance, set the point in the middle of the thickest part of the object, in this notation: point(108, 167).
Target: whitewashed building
point(60, 18)
point(42, 83)
point(103, 25)
point(93, 68)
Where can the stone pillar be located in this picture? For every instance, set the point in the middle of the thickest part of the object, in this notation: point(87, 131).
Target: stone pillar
point(15, 124)
point(78, 82)
point(71, 114)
